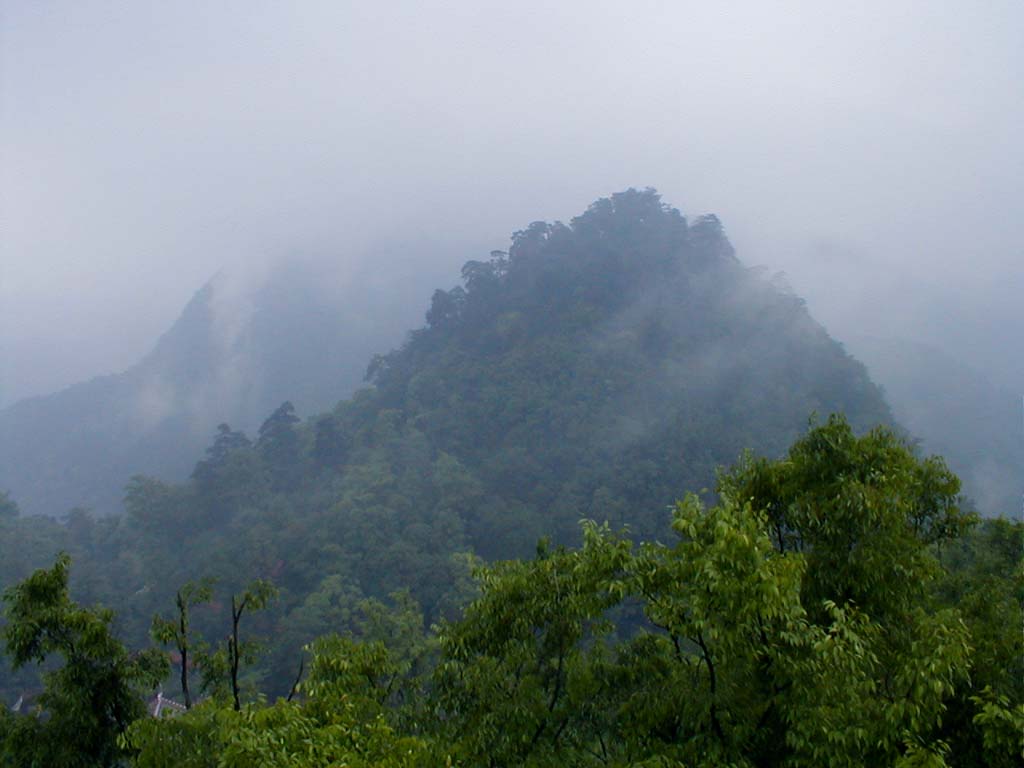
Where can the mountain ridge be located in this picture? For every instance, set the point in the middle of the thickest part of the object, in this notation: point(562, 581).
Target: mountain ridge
point(597, 369)
point(77, 447)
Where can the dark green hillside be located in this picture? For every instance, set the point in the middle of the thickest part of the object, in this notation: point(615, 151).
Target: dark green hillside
point(836, 607)
point(598, 366)
point(598, 369)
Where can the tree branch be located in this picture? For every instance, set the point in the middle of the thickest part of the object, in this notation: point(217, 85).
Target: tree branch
point(298, 677)
point(713, 682)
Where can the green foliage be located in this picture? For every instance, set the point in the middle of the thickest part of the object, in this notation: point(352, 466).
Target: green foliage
point(1002, 728)
point(330, 447)
point(160, 509)
point(984, 581)
point(89, 700)
point(178, 631)
point(237, 652)
point(730, 607)
point(748, 641)
point(517, 674)
point(340, 720)
point(594, 370)
point(280, 448)
point(230, 478)
point(191, 740)
point(830, 607)
point(780, 667)
point(864, 510)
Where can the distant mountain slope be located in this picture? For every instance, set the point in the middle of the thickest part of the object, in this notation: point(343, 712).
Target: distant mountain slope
point(611, 363)
point(598, 369)
point(232, 356)
point(956, 412)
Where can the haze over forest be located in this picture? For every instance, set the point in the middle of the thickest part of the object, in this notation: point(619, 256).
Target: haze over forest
point(820, 608)
point(870, 152)
point(598, 384)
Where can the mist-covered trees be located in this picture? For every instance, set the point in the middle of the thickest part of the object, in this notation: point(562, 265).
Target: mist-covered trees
point(279, 447)
point(595, 371)
point(230, 477)
point(619, 353)
point(742, 643)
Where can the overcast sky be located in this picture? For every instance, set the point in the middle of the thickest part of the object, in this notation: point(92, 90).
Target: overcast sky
point(872, 151)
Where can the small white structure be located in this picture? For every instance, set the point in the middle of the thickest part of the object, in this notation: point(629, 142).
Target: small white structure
point(163, 707)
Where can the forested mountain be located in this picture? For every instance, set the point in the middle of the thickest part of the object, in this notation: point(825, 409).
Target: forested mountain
point(234, 354)
point(596, 370)
point(957, 413)
point(836, 607)
point(600, 365)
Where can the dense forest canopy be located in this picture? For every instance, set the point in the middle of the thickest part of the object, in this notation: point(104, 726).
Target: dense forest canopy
point(833, 608)
point(598, 370)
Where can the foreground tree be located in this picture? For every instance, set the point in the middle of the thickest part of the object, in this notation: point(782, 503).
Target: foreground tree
point(864, 511)
point(806, 619)
point(519, 683)
point(338, 722)
point(775, 680)
point(792, 624)
point(985, 581)
point(255, 598)
point(178, 631)
point(89, 700)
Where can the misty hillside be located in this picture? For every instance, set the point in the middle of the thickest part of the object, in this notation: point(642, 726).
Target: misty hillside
point(601, 365)
point(358, 409)
point(956, 412)
point(234, 354)
point(598, 369)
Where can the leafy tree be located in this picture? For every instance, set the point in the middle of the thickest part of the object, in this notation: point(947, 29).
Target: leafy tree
point(984, 581)
point(90, 700)
point(773, 683)
point(178, 631)
point(516, 677)
point(255, 598)
point(226, 442)
point(230, 477)
point(864, 511)
point(445, 307)
point(339, 721)
point(330, 446)
point(784, 657)
point(278, 444)
point(159, 508)
point(221, 668)
point(749, 640)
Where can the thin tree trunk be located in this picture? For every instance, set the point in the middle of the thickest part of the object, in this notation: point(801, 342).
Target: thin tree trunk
point(183, 649)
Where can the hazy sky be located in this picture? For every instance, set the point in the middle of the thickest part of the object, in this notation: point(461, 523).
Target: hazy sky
point(872, 151)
